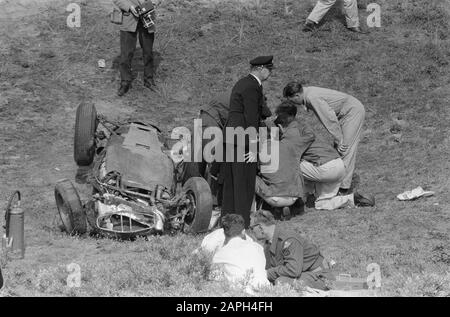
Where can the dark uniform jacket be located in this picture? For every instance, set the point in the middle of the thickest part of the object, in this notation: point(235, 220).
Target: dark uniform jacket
point(290, 254)
point(246, 104)
point(216, 112)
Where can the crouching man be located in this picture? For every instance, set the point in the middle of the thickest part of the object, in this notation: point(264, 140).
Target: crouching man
point(289, 256)
point(321, 166)
point(282, 185)
point(240, 260)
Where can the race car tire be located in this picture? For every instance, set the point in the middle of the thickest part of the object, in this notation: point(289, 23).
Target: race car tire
point(86, 123)
point(190, 169)
point(70, 208)
point(198, 189)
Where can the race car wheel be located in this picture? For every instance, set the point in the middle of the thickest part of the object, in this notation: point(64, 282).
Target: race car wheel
point(86, 123)
point(198, 193)
point(189, 170)
point(70, 208)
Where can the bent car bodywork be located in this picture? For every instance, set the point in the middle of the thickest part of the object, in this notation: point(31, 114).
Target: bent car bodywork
point(138, 189)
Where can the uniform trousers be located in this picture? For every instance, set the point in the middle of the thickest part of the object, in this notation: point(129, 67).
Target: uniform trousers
point(239, 180)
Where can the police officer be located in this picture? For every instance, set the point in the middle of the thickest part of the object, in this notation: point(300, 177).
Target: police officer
point(215, 114)
point(289, 256)
point(131, 27)
point(246, 104)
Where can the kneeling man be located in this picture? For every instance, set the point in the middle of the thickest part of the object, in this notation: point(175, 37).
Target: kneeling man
point(281, 185)
point(322, 168)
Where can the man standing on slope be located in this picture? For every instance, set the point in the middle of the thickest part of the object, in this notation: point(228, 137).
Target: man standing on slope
point(323, 6)
point(239, 171)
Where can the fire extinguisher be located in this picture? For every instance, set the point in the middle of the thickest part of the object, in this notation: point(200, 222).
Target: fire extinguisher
point(14, 237)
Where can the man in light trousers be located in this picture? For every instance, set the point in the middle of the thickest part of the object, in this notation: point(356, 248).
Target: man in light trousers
point(341, 114)
point(321, 166)
point(350, 8)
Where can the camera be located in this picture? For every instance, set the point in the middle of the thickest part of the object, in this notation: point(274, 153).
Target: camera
point(145, 11)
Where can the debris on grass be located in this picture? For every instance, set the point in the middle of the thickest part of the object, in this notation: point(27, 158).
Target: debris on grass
point(414, 194)
point(101, 63)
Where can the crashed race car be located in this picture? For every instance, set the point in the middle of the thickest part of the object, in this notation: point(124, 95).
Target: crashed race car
point(138, 187)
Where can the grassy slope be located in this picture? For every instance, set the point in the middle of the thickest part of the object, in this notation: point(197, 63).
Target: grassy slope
point(203, 47)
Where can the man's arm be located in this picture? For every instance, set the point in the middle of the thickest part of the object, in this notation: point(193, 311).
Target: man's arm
point(328, 118)
point(265, 112)
point(292, 266)
point(123, 5)
point(250, 97)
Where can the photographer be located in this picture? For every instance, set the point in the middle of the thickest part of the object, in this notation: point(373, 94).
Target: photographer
point(131, 26)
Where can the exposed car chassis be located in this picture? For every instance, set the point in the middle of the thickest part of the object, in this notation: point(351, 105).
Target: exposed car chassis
point(138, 189)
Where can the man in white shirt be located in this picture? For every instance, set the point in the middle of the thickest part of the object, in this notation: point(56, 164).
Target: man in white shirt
point(213, 241)
point(240, 261)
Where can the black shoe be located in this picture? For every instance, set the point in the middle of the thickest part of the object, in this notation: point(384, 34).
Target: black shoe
point(357, 29)
point(310, 201)
point(309, 26)
point(150, 84)
point(123, 89)
point(298, 208)
point(363, 201)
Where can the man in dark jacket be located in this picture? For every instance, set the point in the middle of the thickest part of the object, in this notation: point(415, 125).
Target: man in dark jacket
point(215, 114)
point(130, 28)
point(239, 170)
point(289, 256)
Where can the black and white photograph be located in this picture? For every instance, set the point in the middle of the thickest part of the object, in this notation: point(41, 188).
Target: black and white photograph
point(223, 155)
